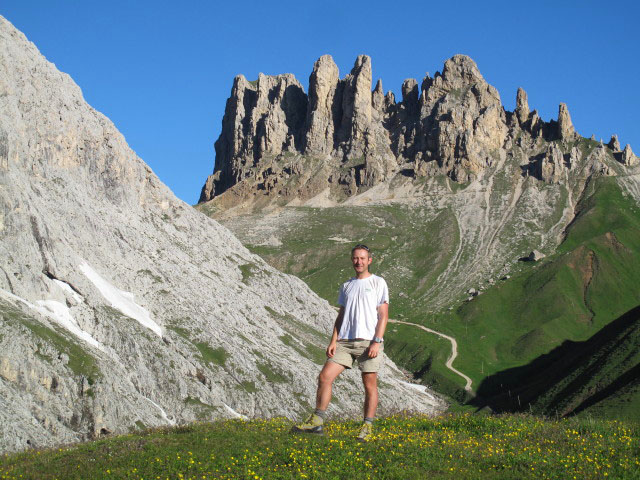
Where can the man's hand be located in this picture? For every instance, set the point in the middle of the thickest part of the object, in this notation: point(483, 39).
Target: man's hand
point(331, 349)
point(373, 350)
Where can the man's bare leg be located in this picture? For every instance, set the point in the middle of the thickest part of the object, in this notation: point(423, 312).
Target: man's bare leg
point(370, 382)
point(314, 423)
point(329, 373)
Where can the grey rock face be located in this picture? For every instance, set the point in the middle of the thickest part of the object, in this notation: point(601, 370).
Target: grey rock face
point(354, 138)
point(552, 165)
point(463, 119)
point(262, 117)
point(121, 306)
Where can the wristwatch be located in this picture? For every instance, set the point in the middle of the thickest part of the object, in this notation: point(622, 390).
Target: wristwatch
point(378, 339)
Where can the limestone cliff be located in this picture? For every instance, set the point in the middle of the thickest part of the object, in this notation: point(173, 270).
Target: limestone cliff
point(278, 143)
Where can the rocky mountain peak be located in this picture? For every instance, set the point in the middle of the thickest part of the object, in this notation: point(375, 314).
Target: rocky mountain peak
point(356, 106)
point(614, 143)
point(461, 70)
point(565, 126)
point(354, 138)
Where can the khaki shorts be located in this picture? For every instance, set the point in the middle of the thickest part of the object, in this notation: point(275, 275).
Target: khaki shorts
point(348, 351)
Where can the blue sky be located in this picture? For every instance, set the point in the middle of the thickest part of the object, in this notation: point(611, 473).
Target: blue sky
point(162, 71)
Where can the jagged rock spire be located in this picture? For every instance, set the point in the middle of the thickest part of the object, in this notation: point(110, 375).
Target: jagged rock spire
point(410, 94)
point(322, 109)
point(628, 158)
point(614, 143)
point(410, 90)
point(377, 97)
point(356, 104)
point(522, 106)
point(565, 126)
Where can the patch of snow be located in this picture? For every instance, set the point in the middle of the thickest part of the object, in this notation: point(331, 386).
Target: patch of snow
point(163, 414)
point(60, 313)
point(67, 288)
point(234, 413)
point(121, 300)
point(420, 388)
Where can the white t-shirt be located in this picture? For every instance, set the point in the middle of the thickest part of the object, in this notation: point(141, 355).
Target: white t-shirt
point(361, 299)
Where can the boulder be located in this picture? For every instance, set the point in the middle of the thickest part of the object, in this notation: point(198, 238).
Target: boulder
point(535, 256)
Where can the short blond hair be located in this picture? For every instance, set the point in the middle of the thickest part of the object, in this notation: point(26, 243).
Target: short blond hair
point(361, 246)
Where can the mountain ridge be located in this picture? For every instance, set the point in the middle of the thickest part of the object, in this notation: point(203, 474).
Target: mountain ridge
point(281, 143)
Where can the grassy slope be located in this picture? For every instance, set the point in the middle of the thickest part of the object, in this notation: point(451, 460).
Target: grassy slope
point(600, 377)
point(590, 281)
point(462, 447)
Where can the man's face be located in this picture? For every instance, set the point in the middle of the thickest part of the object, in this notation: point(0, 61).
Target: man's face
point(361, 260)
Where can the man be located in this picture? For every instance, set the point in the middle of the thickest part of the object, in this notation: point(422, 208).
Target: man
point(357, 336)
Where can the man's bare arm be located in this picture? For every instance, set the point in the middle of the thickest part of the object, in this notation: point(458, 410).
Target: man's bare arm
point(383, 318)
point(331, 349)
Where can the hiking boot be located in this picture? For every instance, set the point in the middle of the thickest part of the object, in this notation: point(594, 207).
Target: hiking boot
point(366, 432)
point(313, 424)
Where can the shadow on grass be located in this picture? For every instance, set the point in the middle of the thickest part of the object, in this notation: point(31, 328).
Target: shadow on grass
point(574, 376)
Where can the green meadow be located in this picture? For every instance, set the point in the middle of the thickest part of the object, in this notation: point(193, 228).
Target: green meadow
point(455, 446)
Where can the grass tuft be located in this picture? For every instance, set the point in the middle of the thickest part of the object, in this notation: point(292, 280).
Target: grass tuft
point(217, 356)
